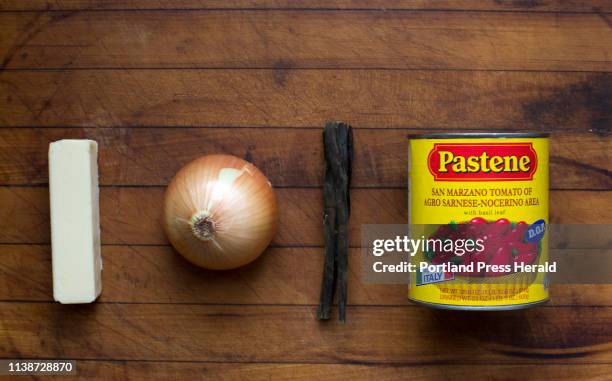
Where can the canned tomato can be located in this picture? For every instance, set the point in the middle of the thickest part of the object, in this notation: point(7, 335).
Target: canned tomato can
point(490, 189)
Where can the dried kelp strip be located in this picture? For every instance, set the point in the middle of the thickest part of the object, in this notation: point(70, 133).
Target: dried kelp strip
point(329, 229)
point(338, 145)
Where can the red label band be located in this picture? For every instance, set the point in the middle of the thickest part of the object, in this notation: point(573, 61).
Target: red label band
point(482, 161)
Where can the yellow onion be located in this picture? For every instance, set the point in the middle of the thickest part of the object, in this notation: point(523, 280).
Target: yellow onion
point(220, 212)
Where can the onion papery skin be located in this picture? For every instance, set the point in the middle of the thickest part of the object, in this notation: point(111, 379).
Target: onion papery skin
point(220, 212)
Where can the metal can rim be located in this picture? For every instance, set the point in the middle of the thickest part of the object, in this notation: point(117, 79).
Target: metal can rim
point(460, 307)
point(478, 135)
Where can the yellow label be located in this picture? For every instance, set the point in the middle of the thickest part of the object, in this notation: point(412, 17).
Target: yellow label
point(499, 185)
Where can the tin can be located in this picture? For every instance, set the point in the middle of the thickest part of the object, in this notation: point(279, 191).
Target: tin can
point(490, 189)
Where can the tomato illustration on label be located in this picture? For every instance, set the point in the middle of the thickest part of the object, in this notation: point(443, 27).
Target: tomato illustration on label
point(504, 243)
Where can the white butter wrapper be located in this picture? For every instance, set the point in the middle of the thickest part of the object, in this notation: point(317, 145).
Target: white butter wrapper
point(75, 221)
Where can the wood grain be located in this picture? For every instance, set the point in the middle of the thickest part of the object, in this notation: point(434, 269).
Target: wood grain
point(132, 215)
point(307, 98)
point(290, 39)
point(160, 82)
point(157, 274)
point(145, 371)
point(396, 335)
point(462, 5)
point(290, 158)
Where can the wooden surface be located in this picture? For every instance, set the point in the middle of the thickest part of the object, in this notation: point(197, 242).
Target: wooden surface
point(158, 83)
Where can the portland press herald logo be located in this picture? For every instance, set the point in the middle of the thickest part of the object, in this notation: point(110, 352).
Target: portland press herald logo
point(482, 161)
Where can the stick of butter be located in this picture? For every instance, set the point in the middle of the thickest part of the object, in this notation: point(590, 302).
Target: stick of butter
point(75, 221)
